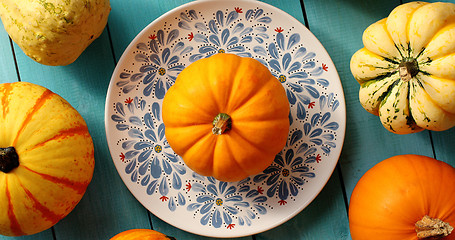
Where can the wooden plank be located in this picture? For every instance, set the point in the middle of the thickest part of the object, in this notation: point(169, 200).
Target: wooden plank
point(107, 207)
point(292, 7)
point(7, 65)
point(45, 235)
point(324, 218)
point(139, 14)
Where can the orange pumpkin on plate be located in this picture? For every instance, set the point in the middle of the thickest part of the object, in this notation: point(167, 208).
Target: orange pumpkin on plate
point(46, 158)
point(226, 116)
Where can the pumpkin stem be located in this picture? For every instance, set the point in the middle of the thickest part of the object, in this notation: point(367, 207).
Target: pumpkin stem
point(222, 123)
point(408, 68)
point(432, 228)
point(9, 159)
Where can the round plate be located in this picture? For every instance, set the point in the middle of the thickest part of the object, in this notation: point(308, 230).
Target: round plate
point(158, 177)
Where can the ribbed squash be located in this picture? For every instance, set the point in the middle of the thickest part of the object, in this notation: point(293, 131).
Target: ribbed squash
point(141, 234)
point(46, 158)
point(406, 69)
point(227, 116)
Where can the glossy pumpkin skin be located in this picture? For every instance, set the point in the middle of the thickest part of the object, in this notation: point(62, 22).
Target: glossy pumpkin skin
point(141, 234)
point(56, 158)
point(244, 89)
point(416, 41)
point(396, 193)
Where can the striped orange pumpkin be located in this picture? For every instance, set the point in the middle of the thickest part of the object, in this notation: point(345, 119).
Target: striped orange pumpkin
point(46, 158)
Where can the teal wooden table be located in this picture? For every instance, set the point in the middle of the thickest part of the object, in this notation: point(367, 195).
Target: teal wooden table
point(108, 207)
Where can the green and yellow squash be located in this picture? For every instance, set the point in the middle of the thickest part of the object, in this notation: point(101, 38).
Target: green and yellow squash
point(406, 69)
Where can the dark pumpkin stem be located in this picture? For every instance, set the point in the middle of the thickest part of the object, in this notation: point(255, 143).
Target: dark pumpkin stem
point(408, 69)
point(221, 124)
point(432, 228)
point(9, 159)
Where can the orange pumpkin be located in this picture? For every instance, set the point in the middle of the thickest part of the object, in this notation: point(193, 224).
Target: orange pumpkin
point(404, 197)
point(46, 158)
point(141, 234)
point(226, 116)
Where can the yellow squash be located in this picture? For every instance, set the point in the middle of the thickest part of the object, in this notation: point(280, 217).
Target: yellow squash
point(406, 69)
point(54, 32)
point(46, 158)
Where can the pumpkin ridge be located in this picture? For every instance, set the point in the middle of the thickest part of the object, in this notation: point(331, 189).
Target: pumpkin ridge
point(419, 87)
point(227, 148)
point(390, 61)
point(253, 145)
point(46, 212)
point(250, 102)
point(429, 60)
point(189, 150)
point(437, 17)
point(79, 187)
point(191, 141)
point(186, 99)
point(224, 104)
point(408, 23)
point(430, 84)
point(387, 93)
point(439, 34)
point(366, 82)
point(410, 119)
point(421, 180)
point(5, 102)
point(399, 50)
point(239, 78)
point(63, 134)
point(45, 96)
point(14, 224)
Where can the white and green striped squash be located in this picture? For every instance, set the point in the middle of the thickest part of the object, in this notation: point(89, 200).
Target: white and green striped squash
point(406, 69)
point(54, 32)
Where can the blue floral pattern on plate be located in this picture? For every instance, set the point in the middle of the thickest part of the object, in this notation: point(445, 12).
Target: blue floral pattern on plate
point(159, 177)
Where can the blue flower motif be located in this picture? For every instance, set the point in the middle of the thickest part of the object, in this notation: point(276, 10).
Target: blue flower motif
point(285, 175)
point(148, 156)
point(319, 131)
point(223, 34)
point(256, 199)
point(292, 65)
point(160, 67)
point(217, 202)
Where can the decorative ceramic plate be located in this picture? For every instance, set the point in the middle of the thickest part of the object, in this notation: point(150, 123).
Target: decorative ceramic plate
point(158, 177)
